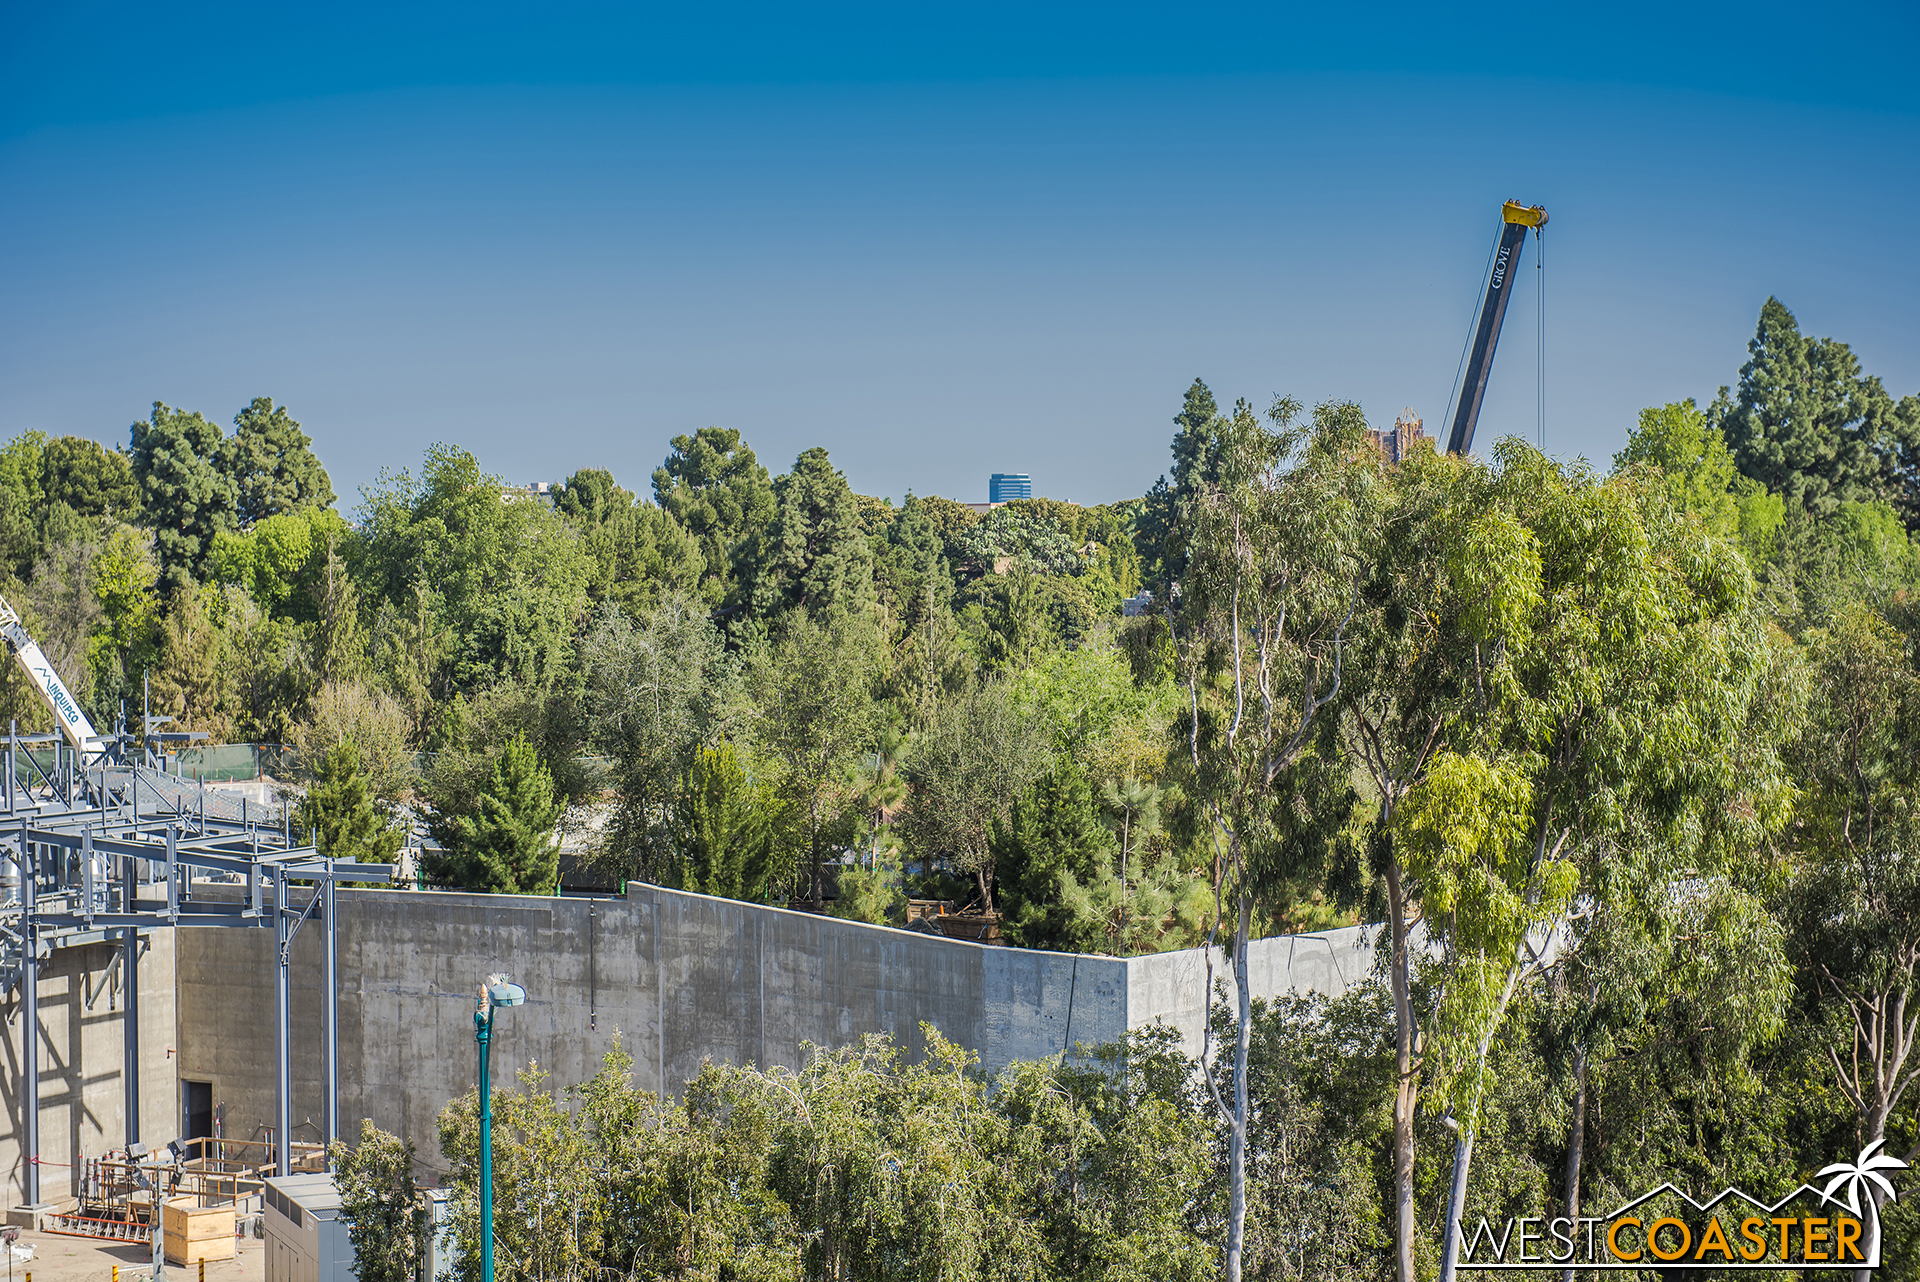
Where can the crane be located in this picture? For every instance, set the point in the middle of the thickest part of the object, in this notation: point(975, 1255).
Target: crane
point(1515, 219)
point(73, 723)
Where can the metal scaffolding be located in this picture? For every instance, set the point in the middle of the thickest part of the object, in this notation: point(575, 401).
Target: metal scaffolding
point(99, 848)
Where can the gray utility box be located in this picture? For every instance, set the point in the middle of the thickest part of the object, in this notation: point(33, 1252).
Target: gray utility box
point(306, 1239)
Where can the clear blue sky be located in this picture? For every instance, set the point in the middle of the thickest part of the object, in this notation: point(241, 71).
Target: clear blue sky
point(940, 240)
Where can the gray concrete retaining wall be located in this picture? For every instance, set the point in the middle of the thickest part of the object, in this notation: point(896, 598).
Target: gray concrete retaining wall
point(677, 977)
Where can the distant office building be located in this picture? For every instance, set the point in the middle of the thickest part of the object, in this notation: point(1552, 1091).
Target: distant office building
point(1398, 443)
point(1005, 487)
point(537, 492)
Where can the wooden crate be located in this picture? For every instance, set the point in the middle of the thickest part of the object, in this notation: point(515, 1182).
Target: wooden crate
point(194, 1233)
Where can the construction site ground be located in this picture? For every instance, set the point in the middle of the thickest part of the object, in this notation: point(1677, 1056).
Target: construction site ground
point(58, 1258)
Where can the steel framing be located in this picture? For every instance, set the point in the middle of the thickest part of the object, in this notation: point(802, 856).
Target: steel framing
point(96, 861)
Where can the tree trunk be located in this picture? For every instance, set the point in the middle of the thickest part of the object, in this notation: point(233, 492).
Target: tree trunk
point(1406, 1082)
point(1576, 1140)
point(1457, 1197)
point(1237, 1142)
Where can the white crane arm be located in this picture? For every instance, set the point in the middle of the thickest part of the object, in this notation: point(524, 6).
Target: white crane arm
point(73, 723)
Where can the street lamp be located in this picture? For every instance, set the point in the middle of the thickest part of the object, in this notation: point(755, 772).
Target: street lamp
point(498, 991)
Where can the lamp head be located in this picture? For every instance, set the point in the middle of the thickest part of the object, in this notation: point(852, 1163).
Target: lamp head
point(502, 991)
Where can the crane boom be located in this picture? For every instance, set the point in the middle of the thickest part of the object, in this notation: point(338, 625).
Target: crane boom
point(1515, 219)
point(73, 723)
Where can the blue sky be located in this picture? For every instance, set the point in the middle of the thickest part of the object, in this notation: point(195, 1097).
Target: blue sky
point(940, 241)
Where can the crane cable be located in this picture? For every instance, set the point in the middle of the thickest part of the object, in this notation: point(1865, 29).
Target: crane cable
point(1540, 339)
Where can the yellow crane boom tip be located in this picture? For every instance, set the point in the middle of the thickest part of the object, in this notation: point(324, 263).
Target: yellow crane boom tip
point(1526, 215)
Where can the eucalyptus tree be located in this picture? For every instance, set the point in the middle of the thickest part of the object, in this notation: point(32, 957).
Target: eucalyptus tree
point(1551, 665)
point(1276, 535)
point(1855, 903)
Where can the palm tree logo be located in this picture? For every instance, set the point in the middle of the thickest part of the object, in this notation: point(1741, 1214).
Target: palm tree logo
point(1863, 1176)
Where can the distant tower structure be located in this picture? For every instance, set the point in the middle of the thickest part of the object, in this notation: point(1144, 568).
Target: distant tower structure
point(1398, 443)
point(1005, 487)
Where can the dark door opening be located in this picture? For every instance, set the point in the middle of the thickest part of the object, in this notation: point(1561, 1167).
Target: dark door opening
point(199, 1109)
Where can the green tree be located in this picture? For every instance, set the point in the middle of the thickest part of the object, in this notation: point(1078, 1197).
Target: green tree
point(504, 843)
point(1855, 903)
point(23, 470)
point(976, 757)
point(185, 496)
point(188, 677)
point(719, 836)
point(1806, 423)
point(720, 494)
point(504, 583)
point(1524, 631)
point(94, 481)
point(1700, 477)
point(652, 685)
point(124, 577)
point(811, 692)
point(1278, 529)
point(341, 817)
point(380, 1203)
point(365, 719)
point(278, 558)
point(270, 465)
point(642, 556)
point(815, 556)
point(63, 615)
point(590, 496)
point(1054, 863)
point(1195, 454)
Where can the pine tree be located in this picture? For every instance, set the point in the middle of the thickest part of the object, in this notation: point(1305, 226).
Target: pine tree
point(717, 490)
point(815, 557)
point(340, 816)
point(504, 843)
point(1054, 863)
point(1806, 423)
point(590, 496)
point(1194, 447)
point(271, 465)
point(89, 478)
point(1195, 443)
point(184, 495)
point(719, 833)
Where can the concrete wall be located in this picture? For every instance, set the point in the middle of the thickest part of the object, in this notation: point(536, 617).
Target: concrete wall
point(678, 978)
point(82, 1022)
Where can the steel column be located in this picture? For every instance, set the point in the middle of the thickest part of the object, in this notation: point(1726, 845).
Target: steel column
point(330, 1016)
point(130, 1021)
point(283, 1062)
point(30, 1033)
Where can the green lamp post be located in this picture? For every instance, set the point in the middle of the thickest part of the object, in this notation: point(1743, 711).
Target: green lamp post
point(498, 991)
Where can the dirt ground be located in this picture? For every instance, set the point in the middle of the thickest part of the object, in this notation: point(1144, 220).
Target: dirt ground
point(58, 1258)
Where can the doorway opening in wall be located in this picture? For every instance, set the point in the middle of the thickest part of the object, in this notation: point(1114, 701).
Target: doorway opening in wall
point(196, 1107)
